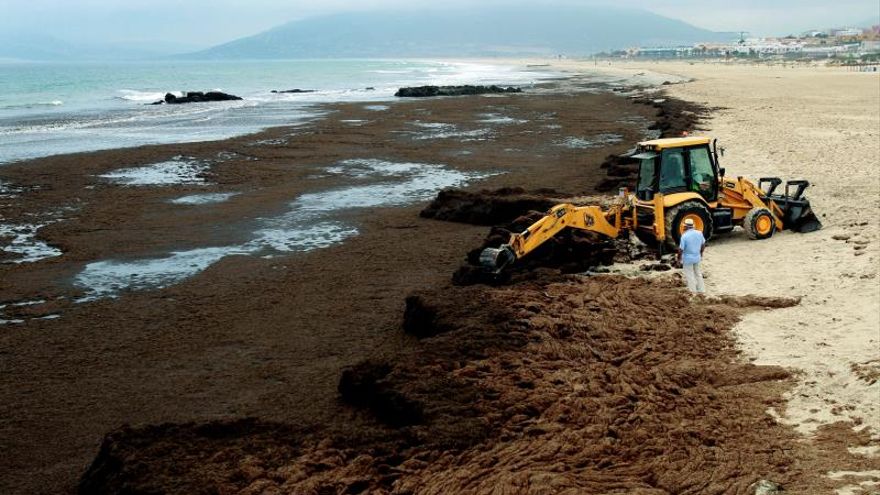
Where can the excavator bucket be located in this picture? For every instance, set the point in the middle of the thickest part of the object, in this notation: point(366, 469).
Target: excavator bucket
point(495, 259)
point(798, 215)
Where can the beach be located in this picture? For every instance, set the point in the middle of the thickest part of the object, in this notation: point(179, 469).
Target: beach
point(271, 314)
point(241, 325)
point(823, 125)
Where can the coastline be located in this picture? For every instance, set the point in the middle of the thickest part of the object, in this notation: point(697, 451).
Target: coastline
point(104, 112)
point(185, 352)
point(831, 449)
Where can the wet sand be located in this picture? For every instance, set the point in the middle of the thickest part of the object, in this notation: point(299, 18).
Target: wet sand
point(249, 335)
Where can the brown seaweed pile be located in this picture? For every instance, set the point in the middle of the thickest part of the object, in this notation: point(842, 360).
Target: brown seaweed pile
point(561, 385)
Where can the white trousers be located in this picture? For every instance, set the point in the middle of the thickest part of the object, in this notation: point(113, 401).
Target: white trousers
point(694, 277)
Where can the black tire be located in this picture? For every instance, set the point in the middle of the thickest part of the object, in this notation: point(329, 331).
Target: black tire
point(676, 215)
point(750, 223)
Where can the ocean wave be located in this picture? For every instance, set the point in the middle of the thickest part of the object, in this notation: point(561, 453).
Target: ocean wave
point(37, 104)
point(146, 96)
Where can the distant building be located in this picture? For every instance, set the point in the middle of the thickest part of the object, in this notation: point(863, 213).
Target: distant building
point(870, 46)
point(663, 51)
point(848, 32)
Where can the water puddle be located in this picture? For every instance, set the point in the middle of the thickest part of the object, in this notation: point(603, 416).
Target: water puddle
point(177, 171)
point(21, 241)
point(20, 312)
point(376, 108)
point(312, 221)
point(268, 142)
point(234, 155)
point(9, 191)
point(652, 134)
point(498, 119)
point(107, 278)
point(367, 167)
point(593, 141)
point(204, 199)
point(440, 130)
point(354, 122)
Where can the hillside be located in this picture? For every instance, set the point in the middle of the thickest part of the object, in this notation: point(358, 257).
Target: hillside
point(477, 32)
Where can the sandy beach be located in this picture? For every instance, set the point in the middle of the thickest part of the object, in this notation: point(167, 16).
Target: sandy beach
point(352, 364)
point(820, 124)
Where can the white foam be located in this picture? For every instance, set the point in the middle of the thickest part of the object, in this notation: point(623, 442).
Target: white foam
point(8, 191)
point(269, 142)
point(204, 199)
point(424, 180)
point(498, 119)
point(368, 167)
point(36, 104)
point(376, 108)
point(25, 243)
point(307, 238)
point(309, 224)
point(176, 171)
point(441, 130)
point(593, 141)
point(5, 320)
point(144, 96)
point(107, 278)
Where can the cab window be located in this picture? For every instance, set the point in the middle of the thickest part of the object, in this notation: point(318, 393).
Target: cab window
point(702, 173)
point(672, 175)
point(646, 174)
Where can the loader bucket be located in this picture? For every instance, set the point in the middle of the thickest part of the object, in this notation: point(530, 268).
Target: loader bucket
point(798, 215)
point(805, 221)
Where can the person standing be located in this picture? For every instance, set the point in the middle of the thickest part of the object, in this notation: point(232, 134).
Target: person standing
point(690, 253)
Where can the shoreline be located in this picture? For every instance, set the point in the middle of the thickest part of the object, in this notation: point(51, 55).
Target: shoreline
point(185, 353)
point(113, 125)
point(802, 465)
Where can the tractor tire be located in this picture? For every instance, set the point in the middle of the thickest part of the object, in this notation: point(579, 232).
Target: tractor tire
point(759, 223)
point(676, 216)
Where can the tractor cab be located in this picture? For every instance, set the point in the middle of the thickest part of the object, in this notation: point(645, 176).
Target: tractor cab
point(677, 165)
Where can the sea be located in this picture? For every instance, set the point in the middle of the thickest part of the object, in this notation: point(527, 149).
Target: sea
point(56, 108)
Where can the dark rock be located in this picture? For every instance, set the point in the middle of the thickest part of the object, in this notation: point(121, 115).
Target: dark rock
point(429, 91)
point(197, 97)
point(293, 91)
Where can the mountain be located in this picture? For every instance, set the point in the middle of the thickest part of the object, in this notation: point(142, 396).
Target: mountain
point(479, 31)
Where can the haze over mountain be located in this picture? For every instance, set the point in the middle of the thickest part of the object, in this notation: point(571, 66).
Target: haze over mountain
point(483, 31)
point(28, 46)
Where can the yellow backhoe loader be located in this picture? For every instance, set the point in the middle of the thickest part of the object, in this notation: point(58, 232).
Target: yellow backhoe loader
point(679, 179)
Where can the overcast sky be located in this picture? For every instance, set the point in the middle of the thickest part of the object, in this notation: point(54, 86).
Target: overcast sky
point(202, 23)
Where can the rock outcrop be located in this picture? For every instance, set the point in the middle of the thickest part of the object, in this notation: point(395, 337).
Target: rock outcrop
point(295, 91)
point(428, 91)
point(196, 97)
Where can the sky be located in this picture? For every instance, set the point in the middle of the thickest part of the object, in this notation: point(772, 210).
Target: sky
point(192, 24)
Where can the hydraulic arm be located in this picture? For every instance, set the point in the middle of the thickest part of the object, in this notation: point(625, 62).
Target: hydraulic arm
point(609, 222)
